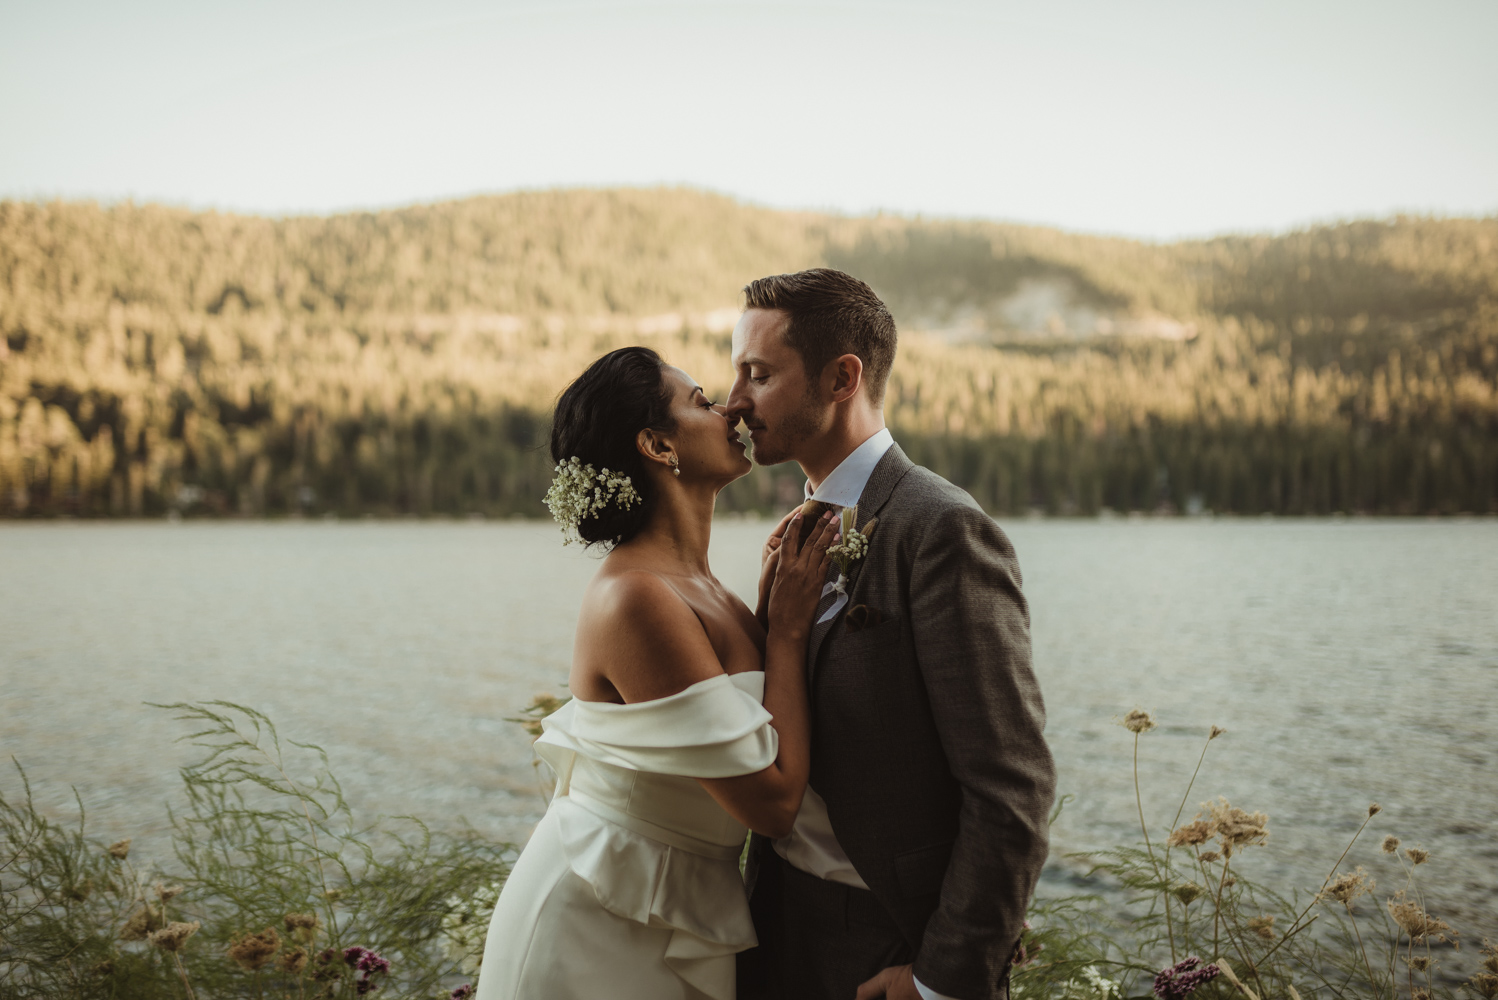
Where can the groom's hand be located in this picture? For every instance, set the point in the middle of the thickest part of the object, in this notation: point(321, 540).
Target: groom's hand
point(894, 983)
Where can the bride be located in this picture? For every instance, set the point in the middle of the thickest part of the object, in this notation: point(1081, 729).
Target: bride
point(689, 721)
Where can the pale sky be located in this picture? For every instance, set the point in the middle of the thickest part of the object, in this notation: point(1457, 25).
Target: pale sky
point(1148, 119)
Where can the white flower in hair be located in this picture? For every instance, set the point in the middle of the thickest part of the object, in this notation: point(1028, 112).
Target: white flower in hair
point(580, 491)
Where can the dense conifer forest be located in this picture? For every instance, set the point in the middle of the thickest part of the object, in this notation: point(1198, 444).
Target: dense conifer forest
point(156, 359)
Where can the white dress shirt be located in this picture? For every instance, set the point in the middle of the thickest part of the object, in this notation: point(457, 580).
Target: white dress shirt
point(812, 846)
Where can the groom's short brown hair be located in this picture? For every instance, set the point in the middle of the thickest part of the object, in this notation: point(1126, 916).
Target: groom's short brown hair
point(831, 314)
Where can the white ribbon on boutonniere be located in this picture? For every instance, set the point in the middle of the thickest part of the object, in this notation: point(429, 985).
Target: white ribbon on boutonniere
point(852, 547)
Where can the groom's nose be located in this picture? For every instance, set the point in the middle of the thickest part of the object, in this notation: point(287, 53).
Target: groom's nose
point(738, 405)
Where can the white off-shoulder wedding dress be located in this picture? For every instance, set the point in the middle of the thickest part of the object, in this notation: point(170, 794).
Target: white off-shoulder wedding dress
point(629, 888)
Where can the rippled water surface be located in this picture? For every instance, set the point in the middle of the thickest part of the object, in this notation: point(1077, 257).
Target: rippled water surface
point(1349, 661)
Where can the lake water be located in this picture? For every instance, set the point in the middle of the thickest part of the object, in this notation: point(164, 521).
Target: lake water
point(1350, 662)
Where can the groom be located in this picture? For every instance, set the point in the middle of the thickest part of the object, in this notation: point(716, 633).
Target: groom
point(923, 831)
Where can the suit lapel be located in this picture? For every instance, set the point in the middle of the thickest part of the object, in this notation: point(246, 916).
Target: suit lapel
point(887, 474)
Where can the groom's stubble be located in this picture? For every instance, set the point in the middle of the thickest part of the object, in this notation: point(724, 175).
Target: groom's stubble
point(785, 442)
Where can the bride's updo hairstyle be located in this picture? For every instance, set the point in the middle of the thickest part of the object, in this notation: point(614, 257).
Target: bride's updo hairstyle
point(597, 420)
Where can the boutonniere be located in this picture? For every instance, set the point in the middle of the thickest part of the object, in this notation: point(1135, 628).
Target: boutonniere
point(853, 546)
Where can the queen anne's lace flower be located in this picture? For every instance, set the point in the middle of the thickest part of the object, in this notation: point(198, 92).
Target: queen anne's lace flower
point(579, 491)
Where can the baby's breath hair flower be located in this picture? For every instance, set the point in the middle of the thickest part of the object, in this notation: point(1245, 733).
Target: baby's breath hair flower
point(1390, 844)
point(580, 491)
point(1139, 721)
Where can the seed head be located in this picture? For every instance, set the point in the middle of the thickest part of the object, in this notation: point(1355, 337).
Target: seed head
point(1415, 922)
point(1485, 984)
point(174, 935)
point(1235, 828)
point(254, 951)
point(1139, 721)
point(301, 926)
point(1186, 892)
point(1417, 855)
point(1348, 887)
point(1216, 732)
point(1190, 835)
point(1419, 994)
point(1263, 926)
point(167, 893)
point(1489, 956)
point(141, 923)
point(1209, 857)
point(119, 850)
point(1390, 844)
point(1418, 963)
point(1374, 809)
point(293, 961)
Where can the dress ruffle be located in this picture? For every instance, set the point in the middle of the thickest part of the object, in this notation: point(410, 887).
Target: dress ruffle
point(638, 842)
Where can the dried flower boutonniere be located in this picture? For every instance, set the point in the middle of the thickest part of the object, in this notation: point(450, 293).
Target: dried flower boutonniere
point(853, 546)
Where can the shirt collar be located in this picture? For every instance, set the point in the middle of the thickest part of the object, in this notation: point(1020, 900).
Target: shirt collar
point(845, 484)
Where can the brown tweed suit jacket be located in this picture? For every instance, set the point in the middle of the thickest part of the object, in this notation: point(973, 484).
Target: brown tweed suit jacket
point(926, 730)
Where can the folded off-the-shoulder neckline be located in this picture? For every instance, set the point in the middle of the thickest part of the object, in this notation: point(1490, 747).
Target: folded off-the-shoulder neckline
point(755, 685)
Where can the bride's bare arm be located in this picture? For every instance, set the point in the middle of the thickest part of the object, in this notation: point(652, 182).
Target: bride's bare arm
point(767, 801)
point(645, 642)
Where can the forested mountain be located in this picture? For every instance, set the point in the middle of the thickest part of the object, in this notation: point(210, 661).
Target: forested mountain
point(405, 361)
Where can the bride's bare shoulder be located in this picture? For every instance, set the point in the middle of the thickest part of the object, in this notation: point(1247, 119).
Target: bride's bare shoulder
point(636, 631)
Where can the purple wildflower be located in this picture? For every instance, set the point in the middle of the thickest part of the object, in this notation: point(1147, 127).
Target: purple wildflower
point(373, 962)
point(364, 986)
point(1178, 981)
point(464, 992)
point(354, 954)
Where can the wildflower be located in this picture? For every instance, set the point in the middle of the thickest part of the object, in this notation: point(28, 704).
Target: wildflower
point(1489, 956)
point(1181, 979)
point(1418, 963)
point(167, 893)
point(1187, 892)
point(1414, 921)
point(1263, 926)
point(1419, 994)
point(1229, 882)
point(1390, 844)
point(119, 850)
point(1348, 887)
point(374, 962)
point(301, 926)
point(1374, 809)
point(1417, 855)
point(254, 951)
point(1139, 721)
point(1485, 984)
point(141, 923)
point(1209, 857)
point(293, 961)
point(1198, 832)
point(463, 992)
point(174, 935)
point(1235, 828)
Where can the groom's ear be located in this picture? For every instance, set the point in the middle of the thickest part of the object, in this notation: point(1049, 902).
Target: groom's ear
point(846, 376)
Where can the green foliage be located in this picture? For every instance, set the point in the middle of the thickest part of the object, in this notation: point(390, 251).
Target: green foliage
point(266, 845)
point(1269, 945)
point(155, 359)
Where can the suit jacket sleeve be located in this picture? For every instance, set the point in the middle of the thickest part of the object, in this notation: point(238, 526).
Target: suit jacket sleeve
point(971, 628)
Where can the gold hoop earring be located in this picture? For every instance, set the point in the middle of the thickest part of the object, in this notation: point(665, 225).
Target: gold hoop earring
point(675, 466)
